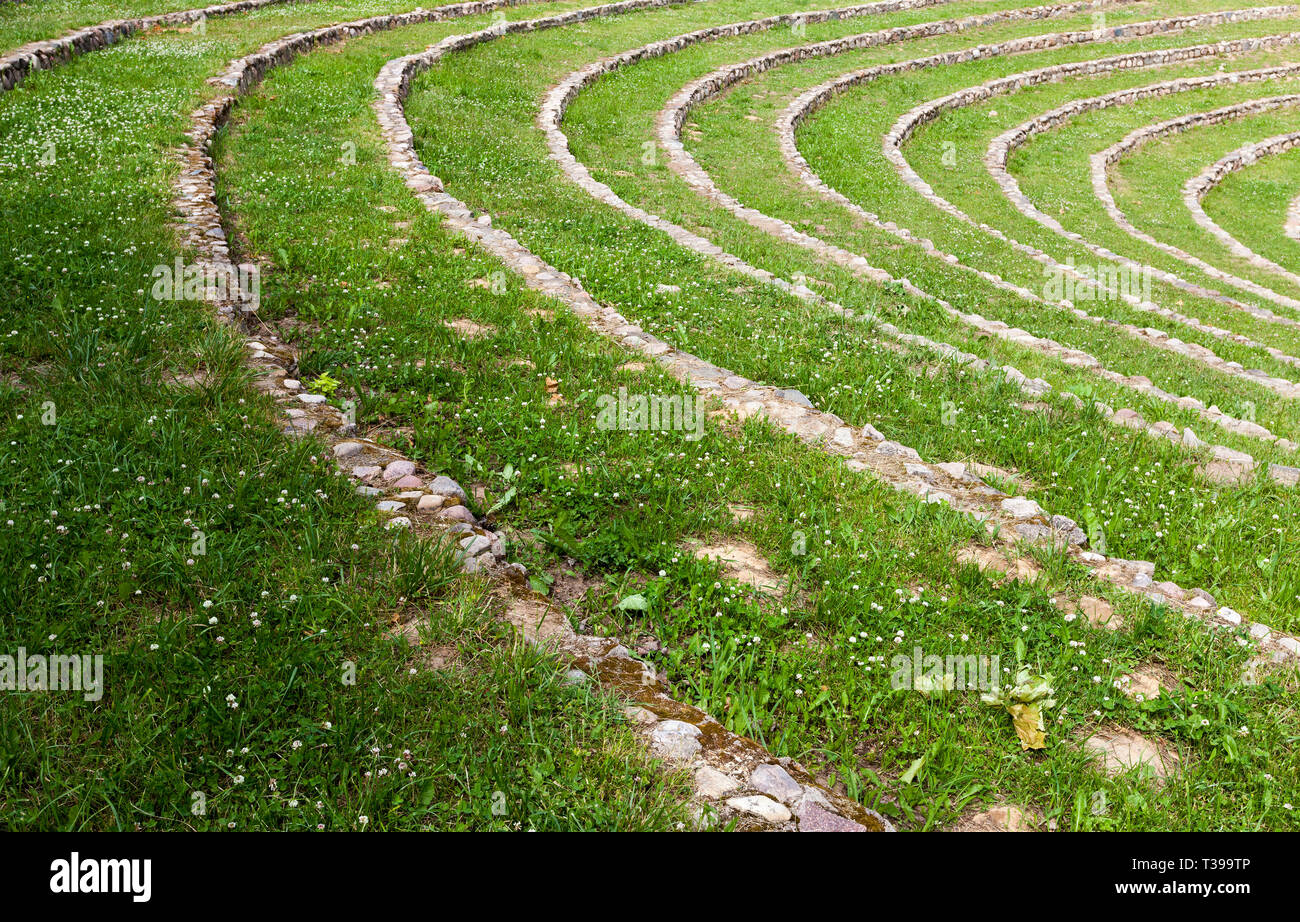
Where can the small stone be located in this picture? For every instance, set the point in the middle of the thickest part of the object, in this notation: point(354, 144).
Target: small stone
point(399, 469)
point(814, 818)
point(1021, 507)
point(762, 807)
point(675, 740)
point(456, 513)
point(776, 782)
point(347, 449)
point(712, 784)
point(409, 482)
point(475, 545)
point(447, 487)
point(1227, 614)
point(390, 505)
point(429, 501)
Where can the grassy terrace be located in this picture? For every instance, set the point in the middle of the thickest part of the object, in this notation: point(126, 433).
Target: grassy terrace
point(1062, 187)
point(1246, 201)
point(226, 683)
point(1188, 155)
point(971, 128)
point(795, 672)
point(158, 434)
point(848, 157)
point(1183, 531)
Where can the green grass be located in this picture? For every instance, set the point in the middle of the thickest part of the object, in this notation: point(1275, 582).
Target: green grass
point(298, 584)
point(1184, 157)
point(363, 280)
point(623, 519)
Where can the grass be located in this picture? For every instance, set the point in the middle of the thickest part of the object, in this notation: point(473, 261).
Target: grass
point(242, 597)
point(364, 281)
point(619, 508)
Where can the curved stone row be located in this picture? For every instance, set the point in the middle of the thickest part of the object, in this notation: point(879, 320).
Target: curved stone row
point(1018, 517)
point(1099, 164)
point(673, 116)
point(42, 55)
point(746, 779)
point(1200, 185)
point(1001, 147)
point(908, 123)
point(786, 127)
point(808, 103)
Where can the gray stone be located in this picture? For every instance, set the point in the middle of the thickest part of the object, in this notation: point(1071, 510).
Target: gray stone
point(447, 487)
point(456, 514)
point(1021, 508)
point(675, 740)
point(398, 469)
point(713, 784)
point(762, 807)
point(776, 782)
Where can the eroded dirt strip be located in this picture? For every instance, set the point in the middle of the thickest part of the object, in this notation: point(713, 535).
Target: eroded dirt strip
point(734, 776)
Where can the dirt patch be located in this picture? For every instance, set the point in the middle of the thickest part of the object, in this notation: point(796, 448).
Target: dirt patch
point(741, 561)
point(990, 559)
point(469, 329)
point(1099, 612)
point(740, 513)
point(538, 620)
point(1147, 682)
point(1120, 750)
point(1002, 818)
point(1225, 472)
